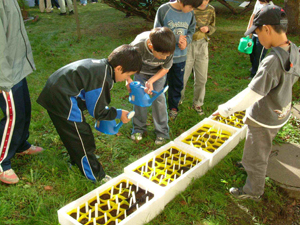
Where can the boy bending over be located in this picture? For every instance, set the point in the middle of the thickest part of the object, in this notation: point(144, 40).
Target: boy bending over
point(86, 84)
point(157, 47)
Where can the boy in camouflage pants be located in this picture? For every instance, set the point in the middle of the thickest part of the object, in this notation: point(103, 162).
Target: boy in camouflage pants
point(197, 53)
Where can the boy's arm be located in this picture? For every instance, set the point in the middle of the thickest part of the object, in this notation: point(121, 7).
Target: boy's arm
point(5, 71)
point(240, 102)
point(158, 21)
point(191, 29)
point(212, 24)
point(149, 84)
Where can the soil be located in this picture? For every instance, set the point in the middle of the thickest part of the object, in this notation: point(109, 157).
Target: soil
point(272, 214)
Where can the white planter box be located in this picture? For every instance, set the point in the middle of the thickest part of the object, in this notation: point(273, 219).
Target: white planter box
point(242, 130)
point(182, 181)
point(142, 215)
point(222, 150)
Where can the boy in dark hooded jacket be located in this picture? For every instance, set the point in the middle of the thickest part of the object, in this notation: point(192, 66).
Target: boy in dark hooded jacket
point(268, 98)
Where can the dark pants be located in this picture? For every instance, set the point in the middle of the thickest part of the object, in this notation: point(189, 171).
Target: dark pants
point(257, 55)
point(14, 126)
point(175, 82)
point(79, 141)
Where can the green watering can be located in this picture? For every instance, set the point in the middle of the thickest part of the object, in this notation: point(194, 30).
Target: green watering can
point(246, 45)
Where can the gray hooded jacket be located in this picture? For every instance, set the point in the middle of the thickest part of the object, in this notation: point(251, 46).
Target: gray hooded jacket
point(16, 60)
point(274, 80)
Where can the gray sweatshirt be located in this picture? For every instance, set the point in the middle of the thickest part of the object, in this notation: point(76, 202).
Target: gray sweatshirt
point(16, 60)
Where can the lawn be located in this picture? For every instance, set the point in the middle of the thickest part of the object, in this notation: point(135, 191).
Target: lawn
point(47, 182)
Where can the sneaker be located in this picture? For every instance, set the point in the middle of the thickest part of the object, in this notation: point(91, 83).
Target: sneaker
point(239, 165)
point(180, 102)
point(9, 177)
point(136, 137)
point(71, 12)
point(173, 114)
point(240, 194)
point(106, 179)
point(160, 140)
point(62, 14)
point(198, 109)
point(33, 150)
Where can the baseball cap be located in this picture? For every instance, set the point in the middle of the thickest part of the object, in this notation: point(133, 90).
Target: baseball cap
point(268, 15)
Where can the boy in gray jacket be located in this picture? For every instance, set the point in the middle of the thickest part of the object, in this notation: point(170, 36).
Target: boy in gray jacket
point(268, 98)
point(156, 47)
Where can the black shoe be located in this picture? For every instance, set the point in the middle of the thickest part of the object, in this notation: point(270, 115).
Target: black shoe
point(239, 165)
point(71, 12)
point(62, 14)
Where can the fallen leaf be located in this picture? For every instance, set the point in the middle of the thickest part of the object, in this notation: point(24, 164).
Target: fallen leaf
point(48, 188)
point(183, 202)
point(119, 134)
point(216, 83)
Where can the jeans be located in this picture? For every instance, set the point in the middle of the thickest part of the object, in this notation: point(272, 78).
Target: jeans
point(175, 82)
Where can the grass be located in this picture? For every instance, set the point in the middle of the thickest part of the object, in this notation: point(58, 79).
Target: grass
point(47, 183)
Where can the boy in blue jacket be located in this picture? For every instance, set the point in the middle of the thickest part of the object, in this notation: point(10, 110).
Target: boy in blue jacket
point(179, 17)
point(81, 85)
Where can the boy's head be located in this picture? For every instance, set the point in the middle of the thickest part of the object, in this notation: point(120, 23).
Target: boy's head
point(189, 5)
point(126, 61)
point(162, 42)
point(204, 3)
point(269, 23)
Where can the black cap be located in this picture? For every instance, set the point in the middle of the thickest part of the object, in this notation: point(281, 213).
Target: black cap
point(268, 15)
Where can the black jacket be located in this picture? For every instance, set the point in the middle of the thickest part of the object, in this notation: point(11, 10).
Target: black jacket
point(84, 84)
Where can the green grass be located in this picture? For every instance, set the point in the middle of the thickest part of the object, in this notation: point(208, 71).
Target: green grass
point(205, 201)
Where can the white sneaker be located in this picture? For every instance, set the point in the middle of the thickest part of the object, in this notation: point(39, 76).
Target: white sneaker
point(106, 179)
point(136, 137)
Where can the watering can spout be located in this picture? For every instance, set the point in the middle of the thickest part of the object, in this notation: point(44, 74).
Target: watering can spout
point(139, 97)
point(157, 94)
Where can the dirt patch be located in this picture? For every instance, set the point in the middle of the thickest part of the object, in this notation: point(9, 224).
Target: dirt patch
point(273, 214)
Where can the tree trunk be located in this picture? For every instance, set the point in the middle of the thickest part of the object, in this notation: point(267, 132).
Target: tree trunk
point(292, 10)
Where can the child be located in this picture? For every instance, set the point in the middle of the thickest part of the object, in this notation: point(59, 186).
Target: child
point(197, 53)
point(258, 52)
point(86, 84)
point(179, 17)
point(16, 63)
point(267, 98)
point(156, 48)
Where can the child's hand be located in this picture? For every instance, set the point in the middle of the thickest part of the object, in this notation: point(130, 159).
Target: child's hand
point(128, 81)
point(216, 114)
point(182, 42)
point(182, 45)
point(124, 118)
point(182, 38)
point(204, 29)
point(148, 87)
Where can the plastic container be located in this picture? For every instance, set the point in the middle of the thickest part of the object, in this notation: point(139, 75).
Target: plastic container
point(236, 121)
point(246, 45)
point(212, 139)
point(165, 173)
point(145, 209)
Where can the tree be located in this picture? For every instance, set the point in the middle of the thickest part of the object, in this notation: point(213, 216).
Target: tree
point(292, 10)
